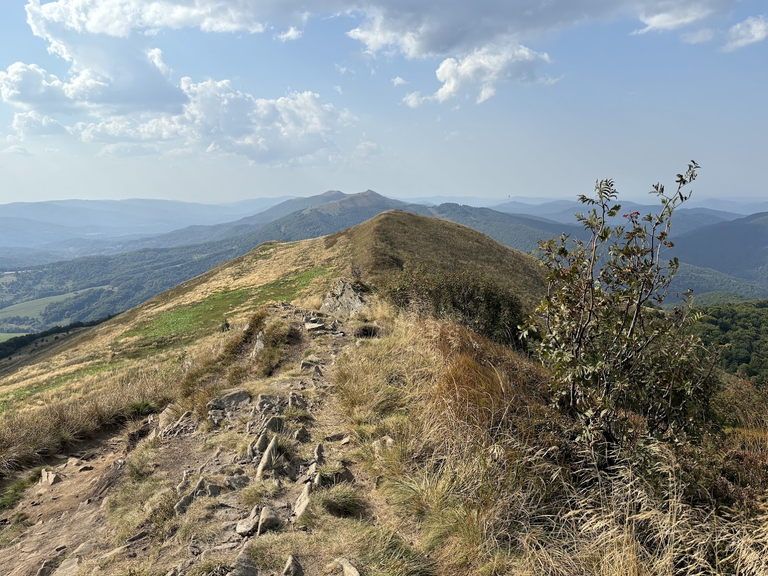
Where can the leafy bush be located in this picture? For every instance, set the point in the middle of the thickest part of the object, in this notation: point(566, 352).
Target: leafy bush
point(617, 360)
point(478, 304)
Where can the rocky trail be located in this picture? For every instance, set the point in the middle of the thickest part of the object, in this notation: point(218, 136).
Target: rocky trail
point(223, 493)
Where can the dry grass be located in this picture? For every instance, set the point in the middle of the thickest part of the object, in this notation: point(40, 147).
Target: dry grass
point(486, 472)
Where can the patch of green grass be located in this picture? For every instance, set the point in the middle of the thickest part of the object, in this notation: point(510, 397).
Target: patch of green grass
point(34, 308)
point(187, 320)
point(15, 489)
point(22, 395)
point(183, 323)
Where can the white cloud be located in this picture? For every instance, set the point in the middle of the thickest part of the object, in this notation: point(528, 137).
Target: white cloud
point(397, 81)
point(414, 99)
point(678, 15)
point(17, 150)
point(751, 30)
point(129, 149)
point(155, 56)
point(339, 90)
point(485, 68)
point(292, 33)
point(343, 70)
point(699, 37)
point(32, 124)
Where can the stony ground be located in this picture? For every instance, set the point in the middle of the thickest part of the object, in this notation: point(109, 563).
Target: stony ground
point(227, 492)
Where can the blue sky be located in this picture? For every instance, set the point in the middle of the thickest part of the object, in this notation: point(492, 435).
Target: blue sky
point(221, 100)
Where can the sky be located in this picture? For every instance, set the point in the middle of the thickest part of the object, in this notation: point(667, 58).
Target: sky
point(223, 100)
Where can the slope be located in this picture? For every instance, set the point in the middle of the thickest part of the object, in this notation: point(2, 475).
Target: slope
point(738, 248)
point(248, 439)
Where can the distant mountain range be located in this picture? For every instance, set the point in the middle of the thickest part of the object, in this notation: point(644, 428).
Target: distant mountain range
point(721, 253)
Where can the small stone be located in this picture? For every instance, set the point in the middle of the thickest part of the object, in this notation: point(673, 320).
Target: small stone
point(262, 443)
point(303, 501)
point(48, 477)
point(335, 437)
point(237, 482)
point(346, 441)
point(268, 520)
point(267, 458)
point(302, 435)
point(61, 548)
point(216, 417)
point(346, 567)
point(213, 490)
point(85, 468)
point(320, 454)
point(182, 505)
point(274, 424)
point(243, 566)
point(248, 526)
point(293, 568)
point(296, 401)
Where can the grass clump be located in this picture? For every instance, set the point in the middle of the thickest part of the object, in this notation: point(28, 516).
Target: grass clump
point(341, 500)
point(15, 490)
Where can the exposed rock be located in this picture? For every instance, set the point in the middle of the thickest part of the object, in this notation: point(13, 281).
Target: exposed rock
point(49, 478)
point(336, 437)
point(262, 443)
point(347, 569)
point(166, 417)
point(259, 345)
point(216, 417)
point(344, 300)
point(231, 401)
point(303, 501)
point(69, 567)
point(274, 424)
point(296, 401)
point(302, 435)
point(265, 403)
point(267, 458)
point(237, 482)
point(320, 454)
point(182, 505)
point(243, 566)
point(47, 567)
point(138, 536)
point(269, 520)
point(313, 327)
point(293, 568)
point(184, 425)
point(248, 526)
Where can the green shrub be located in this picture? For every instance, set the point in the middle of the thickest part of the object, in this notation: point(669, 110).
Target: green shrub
point(613, 354)
point(476, 303)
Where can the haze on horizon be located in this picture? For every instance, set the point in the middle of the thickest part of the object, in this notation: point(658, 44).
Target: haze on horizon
point(222, 100)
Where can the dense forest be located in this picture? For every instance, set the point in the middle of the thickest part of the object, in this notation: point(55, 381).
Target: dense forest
point(741, 332)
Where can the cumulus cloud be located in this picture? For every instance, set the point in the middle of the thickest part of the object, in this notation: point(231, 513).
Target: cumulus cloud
point(292, 33)
point(18, 150)
point(32, 124)
point(221, 119)
point(751, 30)
point(483, 68)
point(118, 91)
